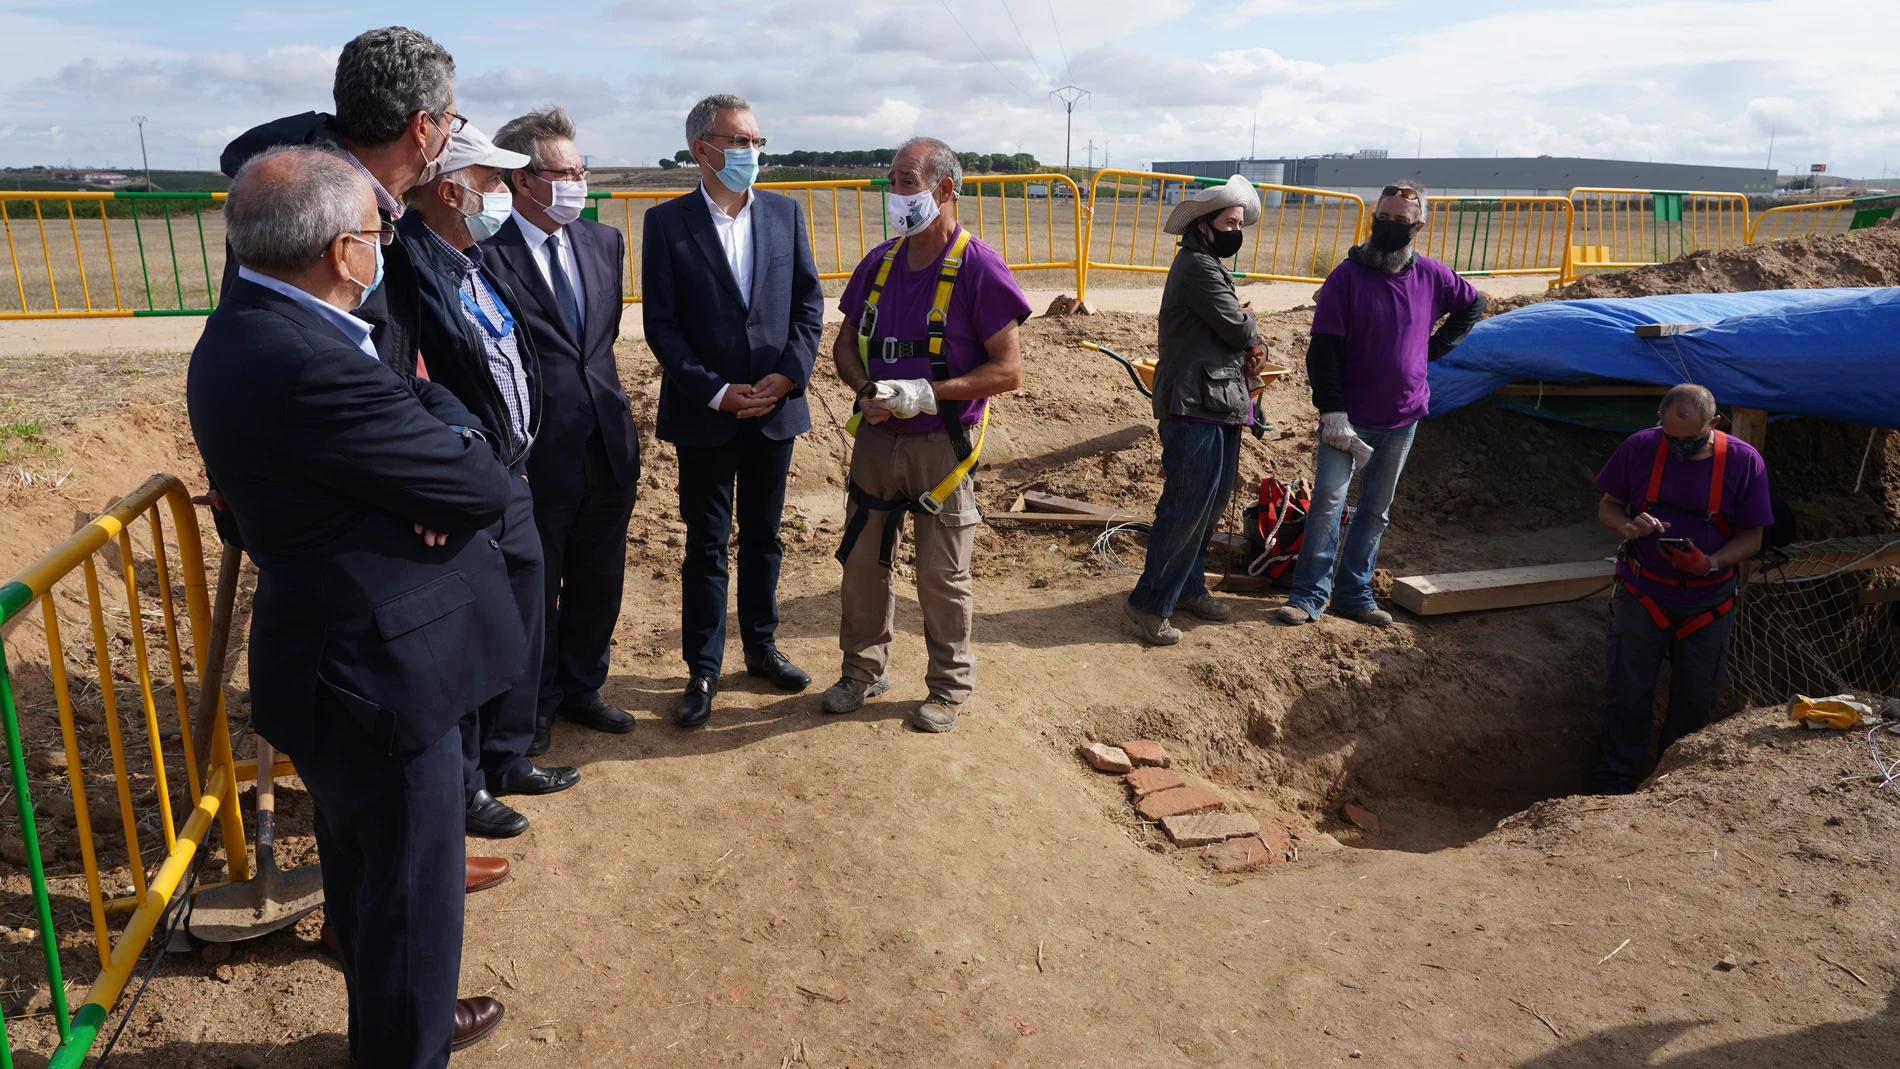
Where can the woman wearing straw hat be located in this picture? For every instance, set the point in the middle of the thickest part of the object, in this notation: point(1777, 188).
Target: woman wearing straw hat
point(1208, 347)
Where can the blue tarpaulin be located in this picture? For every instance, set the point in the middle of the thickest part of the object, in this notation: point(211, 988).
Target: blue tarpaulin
point(1829, 353)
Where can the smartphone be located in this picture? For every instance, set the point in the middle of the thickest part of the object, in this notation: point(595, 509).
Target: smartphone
point(1679, 545)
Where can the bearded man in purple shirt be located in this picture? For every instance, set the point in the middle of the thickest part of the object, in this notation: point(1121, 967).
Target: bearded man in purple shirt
point(1690, 503)
point(1372, 337)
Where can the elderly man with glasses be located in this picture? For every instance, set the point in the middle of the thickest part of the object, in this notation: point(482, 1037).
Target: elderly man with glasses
point(585, 469)
point(733, 314)
point(364, 498)
point(1372, 339)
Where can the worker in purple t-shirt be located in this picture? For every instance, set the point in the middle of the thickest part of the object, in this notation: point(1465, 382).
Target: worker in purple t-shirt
point(1372, 337)
point(1690, 503)
point(921, 423)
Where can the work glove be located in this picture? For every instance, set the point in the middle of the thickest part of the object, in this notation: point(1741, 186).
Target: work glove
point(1691, 561)
point(1335, 429)
point(904, 398)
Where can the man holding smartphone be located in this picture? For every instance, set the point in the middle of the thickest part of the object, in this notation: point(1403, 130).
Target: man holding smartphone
point(1690, 503)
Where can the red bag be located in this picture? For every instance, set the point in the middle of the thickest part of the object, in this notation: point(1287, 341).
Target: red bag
point(1276, 528)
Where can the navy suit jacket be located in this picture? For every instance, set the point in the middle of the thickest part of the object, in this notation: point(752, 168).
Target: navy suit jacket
point(327, 458)
point(705, 336)
point(579, 379)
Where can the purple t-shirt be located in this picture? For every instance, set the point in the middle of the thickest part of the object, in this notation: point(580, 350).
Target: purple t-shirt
point(1387, 322)
point(1685, 494)
point(985, 300)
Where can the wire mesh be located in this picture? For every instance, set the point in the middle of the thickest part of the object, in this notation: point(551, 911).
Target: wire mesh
point(1820, 618)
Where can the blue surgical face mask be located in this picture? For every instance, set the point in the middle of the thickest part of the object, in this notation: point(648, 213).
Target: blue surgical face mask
point(741, 169)
point(485, 222)
point(373, 282)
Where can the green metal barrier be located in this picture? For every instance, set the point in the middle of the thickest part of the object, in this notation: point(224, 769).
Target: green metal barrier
point(149, 267)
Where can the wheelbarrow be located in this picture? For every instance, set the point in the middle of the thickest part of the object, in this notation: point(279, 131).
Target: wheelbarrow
point(1142, 374)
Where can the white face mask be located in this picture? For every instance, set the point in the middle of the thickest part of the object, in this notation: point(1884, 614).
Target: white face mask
point(910, 213)
point(485, 222)
point(565, 203)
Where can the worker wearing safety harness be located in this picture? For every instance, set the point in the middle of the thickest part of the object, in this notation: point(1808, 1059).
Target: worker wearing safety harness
point(936, 315)
point(1690, 503)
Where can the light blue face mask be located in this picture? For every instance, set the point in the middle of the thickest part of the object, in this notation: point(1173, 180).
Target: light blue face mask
point(486, 222)
point(373, 282)
point(741, 169)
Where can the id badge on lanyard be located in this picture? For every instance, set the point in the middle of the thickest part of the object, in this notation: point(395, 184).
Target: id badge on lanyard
point(507, 325)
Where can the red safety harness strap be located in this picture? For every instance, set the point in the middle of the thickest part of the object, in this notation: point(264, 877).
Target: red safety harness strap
point(1683, 626)
point(1717, 471)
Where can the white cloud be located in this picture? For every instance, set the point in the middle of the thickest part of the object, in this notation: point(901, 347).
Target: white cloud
point(1258, 9)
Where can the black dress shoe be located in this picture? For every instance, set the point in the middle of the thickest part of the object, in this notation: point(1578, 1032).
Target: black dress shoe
point(491, 818)
point(696, 704)
point(595, 713)
point(771, 664)
point(545, 779)
point(474, 1019)
point(543, 737)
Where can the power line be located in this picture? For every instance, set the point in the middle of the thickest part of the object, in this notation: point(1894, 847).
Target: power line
point(1064, 48)
point(1020, 37)
point(979, 48)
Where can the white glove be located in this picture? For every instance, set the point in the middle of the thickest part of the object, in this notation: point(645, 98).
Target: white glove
point(1335, 429)
point(904, 398)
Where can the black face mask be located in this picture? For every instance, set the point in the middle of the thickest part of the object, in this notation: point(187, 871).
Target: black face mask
point(1685, 449)
point(1390, 235)
point(1224, 244)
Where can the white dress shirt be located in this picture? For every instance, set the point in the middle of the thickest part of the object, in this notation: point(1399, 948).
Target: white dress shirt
point(353, 328)
point(537, 240)
point(735, 237)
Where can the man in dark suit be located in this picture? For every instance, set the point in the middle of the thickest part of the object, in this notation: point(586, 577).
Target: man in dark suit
point(472, 344)
point(383, 612)
point(585, 468)
point(733, 313)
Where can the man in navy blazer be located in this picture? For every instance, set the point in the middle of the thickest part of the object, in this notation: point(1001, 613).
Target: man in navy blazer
point(585, 468)
point(733, 313)
point(383, 612)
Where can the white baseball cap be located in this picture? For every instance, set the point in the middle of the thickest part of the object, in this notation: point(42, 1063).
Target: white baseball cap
point(471, 148)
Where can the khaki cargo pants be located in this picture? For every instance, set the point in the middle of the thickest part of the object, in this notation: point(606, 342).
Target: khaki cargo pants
point(889, 464)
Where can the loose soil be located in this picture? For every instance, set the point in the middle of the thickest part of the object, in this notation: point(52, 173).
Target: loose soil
point(789, 889)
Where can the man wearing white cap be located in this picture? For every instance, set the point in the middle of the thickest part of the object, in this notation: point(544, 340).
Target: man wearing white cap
point(471, 345)
point(1207, 347)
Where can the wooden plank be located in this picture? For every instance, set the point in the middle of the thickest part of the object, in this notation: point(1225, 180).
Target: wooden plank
point(1041, 502)
point(1068, 519)
point(1750, 425)
point(1503, 588)
point(1665, 330)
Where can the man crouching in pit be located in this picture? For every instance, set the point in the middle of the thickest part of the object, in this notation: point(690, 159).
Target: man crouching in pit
point(937, 315)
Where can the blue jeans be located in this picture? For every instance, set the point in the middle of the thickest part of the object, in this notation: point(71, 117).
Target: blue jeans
point(1320, 555)
point(1197, 478)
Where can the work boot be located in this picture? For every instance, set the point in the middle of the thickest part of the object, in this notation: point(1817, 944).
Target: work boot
point(936, 715)
point(1293, 615)
point(847, 695)
point(1373, 618)
point(1205, 607)
point(1151, 629)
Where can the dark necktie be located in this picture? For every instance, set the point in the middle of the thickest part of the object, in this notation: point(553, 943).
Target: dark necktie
point(563, 289)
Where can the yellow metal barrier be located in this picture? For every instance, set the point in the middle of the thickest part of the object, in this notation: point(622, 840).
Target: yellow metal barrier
point(1498, 235)
point(1638, 227)
point(158, 851)
point(1825, 217)
point(844, 220)
point(1302, 233)
point(110, 255)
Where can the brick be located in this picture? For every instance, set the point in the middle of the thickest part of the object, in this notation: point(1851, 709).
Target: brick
point(1205, 829)
point(1146, 752)
point(1279, 843)
point(1106, 758)
point(1363, 819)
point(1235, 855)
point(1175, 802)
point(1284, 819)
point(1147, 781)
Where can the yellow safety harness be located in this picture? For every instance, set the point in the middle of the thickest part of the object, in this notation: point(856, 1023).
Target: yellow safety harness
point(951, 411)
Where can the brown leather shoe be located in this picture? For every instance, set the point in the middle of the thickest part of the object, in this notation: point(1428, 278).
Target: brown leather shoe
point(485, 872)
point(474, 1019)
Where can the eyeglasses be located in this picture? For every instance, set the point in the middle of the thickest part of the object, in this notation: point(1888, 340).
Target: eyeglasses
point(385, 234)
point(741, 142)
point(1406, 192)
point(576, 174)
point(453, 121)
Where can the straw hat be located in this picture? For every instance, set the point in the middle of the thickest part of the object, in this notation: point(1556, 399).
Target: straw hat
point(1236, 190)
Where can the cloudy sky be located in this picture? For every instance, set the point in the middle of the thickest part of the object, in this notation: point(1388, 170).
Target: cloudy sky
point(1704, 81)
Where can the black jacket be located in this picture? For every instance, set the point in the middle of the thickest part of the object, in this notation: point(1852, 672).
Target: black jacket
point(327, 459)
point(393, 308)
point(580, 383)
point(1202, 340)
point(705, 334)
point(453, 350)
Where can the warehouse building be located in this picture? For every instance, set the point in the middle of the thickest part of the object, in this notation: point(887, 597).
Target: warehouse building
point(1367, 171)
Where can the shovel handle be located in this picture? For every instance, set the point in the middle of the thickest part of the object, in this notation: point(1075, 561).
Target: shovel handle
point(266, 812)
point(211, 681)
